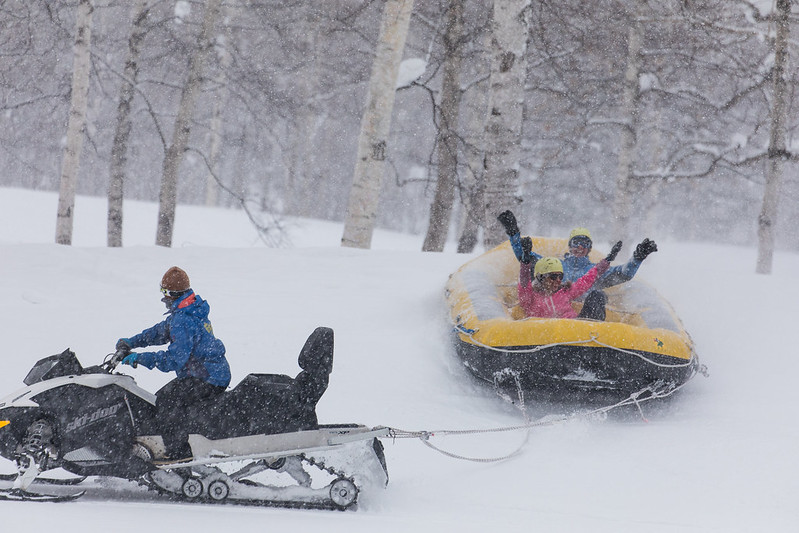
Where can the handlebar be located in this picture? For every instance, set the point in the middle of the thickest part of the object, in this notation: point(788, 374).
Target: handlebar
point(110, 364)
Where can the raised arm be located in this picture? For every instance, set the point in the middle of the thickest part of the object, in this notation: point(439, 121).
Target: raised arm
point(622, 273)
point(588, 279)
point(517, 243)
point(526, 266)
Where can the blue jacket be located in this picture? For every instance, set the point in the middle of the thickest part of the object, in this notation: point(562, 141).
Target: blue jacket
point(576, 267)
point(193, 350)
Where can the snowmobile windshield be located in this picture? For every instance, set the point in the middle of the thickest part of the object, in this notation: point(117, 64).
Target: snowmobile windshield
point(63, 364)
point(39, 370)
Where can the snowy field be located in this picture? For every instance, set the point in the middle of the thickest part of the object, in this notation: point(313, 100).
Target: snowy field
point(720, 457)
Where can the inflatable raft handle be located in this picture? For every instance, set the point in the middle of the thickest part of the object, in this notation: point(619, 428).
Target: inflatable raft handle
point(465, 330)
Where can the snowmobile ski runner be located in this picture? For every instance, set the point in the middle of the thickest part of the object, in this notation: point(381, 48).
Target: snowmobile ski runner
point(48, 480)
point(19, 495)
point(259, 443)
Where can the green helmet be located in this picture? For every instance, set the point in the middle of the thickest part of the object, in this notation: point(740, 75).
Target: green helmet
point(547, 265)
point(579, 231)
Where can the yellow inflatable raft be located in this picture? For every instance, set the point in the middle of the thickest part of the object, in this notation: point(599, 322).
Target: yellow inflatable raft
point(641, 343)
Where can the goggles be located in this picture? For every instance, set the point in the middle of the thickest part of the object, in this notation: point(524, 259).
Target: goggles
point(580, 241)
point(552, 275)
point(171, 294)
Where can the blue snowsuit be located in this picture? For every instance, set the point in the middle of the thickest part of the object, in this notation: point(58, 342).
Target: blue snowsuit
point(193, 350)
point(576, 267)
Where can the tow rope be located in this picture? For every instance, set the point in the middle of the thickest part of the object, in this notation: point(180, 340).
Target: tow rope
point(653, 391)
point(656, 390)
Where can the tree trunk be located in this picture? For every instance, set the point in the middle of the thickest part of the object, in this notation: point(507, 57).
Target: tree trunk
point(77, 123)
point(301, 167)
point(472, 213)
point(375, 126)
point(622, 202)
point(180, 136)
point(119, 149)
point(240, 182)
point(777, 153)
point(504, 126)
point(441, 210)
point(223, 43)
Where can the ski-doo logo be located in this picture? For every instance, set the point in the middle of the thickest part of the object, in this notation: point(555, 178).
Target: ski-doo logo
point(87, 419)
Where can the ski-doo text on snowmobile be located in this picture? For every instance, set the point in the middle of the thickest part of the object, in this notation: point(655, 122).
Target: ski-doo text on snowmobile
point(260, 442)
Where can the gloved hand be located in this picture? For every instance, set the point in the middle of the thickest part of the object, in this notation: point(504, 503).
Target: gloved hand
point(527, 248)
point(643, 249)
point(123, 346)
point(131, 359)
point(613, 252)
point(508, 221)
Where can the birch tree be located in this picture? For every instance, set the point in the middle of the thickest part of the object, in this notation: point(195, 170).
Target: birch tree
point(119, 149)
point(623, 201)
point(300, 153)
point(447, 139)
point(167, 198)
point(777, 153)
point(375, 126)
point(504, 125)
point(215, 136)
point(471, 181)
point(77, 122)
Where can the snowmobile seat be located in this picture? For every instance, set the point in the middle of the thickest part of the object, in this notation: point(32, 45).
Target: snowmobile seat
point(316, 356)
point(273, 403)
point(262, 403)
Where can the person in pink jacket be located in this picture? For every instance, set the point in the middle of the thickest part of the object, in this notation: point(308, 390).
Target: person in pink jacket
point(545, 295)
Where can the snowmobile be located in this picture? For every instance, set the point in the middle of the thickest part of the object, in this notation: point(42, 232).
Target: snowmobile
point(259, 443)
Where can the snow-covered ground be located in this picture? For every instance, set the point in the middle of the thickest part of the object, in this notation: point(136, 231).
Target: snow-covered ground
point(720, 457)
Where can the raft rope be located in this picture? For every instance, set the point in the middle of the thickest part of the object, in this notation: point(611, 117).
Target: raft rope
point(691, 362)
point(593, 338)
point(653, 391)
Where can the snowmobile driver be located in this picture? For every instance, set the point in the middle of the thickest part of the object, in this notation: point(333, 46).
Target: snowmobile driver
point(193, 353)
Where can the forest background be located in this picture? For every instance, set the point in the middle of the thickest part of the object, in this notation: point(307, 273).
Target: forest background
point(635, 118)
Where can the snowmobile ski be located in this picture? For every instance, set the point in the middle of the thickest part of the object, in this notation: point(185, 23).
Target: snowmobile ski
point(19, 495)
point(48, 480)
